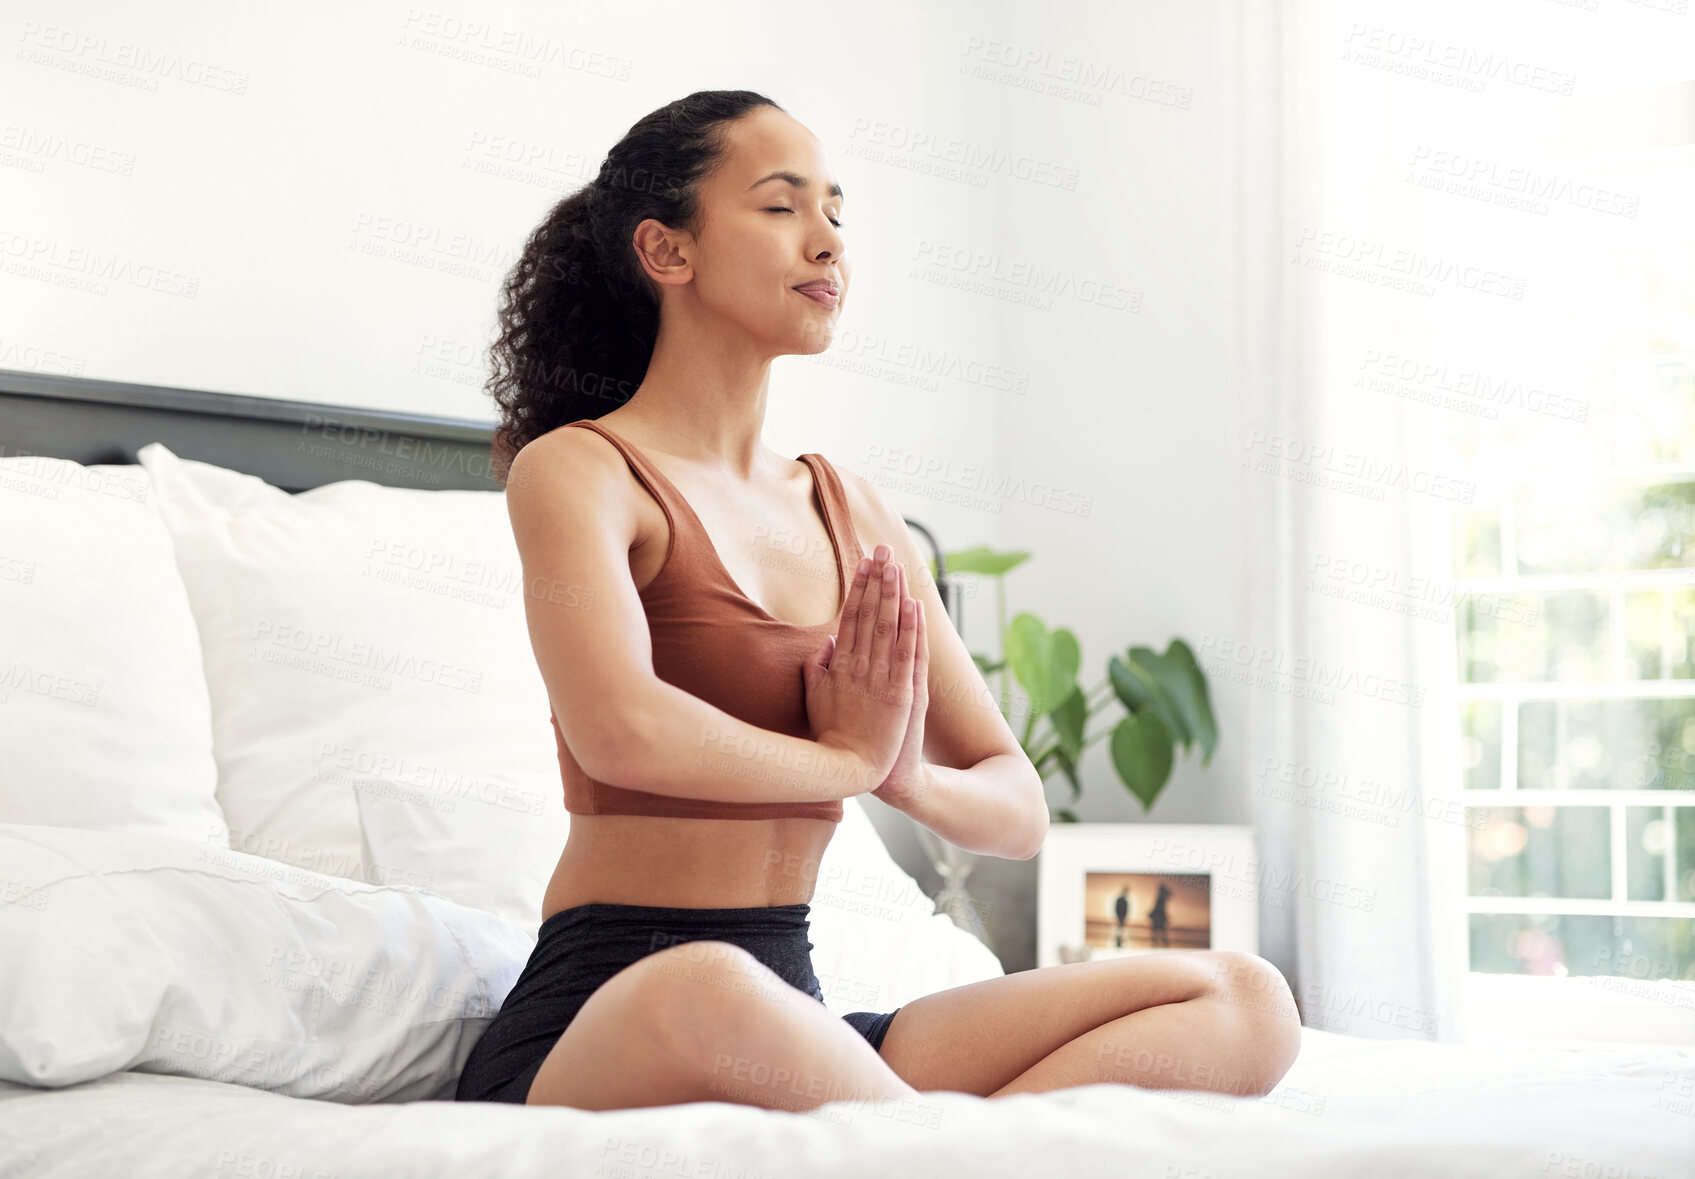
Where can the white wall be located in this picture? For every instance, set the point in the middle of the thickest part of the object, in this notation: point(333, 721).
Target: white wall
point(1135, 410)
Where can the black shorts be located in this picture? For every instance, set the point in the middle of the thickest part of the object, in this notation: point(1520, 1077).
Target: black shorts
point(579, 948)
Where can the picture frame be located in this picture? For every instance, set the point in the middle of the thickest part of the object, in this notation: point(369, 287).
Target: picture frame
point(1108, 890)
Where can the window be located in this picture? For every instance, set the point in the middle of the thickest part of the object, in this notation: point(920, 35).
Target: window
point(1575, 620)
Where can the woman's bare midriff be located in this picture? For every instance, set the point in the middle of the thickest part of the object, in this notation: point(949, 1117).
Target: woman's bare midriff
point(687, 863)
point(704, 863)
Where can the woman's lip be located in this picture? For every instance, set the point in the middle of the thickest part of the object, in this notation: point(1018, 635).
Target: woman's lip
point(819, 295)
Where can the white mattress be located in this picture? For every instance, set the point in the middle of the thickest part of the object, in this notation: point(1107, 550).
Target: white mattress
point(1349, 1107)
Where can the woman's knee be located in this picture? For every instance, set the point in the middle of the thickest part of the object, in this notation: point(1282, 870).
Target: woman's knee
point(1257, 989)
point(697, 992)
point(644, 1025)
point(1250, 980)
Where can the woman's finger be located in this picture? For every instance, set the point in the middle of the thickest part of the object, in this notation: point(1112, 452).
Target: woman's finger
point(847, 628)
point(888, 629)
point(921, 661)
point(865, 633)
point(906, 645)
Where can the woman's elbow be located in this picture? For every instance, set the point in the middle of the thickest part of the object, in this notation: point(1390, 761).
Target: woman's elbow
point(618, 741)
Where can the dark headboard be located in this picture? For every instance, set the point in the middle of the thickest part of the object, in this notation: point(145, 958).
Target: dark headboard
point(289, 444)
point(294, 445)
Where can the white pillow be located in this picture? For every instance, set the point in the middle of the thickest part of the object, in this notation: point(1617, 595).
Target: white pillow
point(877, 940)
point(104, 717)
point(376, 708)
point(460, 796)
point(168, 956)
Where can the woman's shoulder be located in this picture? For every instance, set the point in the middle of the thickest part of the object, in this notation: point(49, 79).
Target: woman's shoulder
point(873, 516)
point(575, 472)
point(568, 452)
point(855, 487)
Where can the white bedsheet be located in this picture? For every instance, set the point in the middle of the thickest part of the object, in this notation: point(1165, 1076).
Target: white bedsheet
point(1350, 1107)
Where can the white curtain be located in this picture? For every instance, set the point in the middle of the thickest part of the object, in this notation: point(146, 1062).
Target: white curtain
point(1347, 664)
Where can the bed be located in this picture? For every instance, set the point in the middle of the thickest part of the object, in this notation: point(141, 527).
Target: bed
point(278, 795)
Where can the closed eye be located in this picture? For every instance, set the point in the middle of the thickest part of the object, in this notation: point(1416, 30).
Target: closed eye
point(782, 209)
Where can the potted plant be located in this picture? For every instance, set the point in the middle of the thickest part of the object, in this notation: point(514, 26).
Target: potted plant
point(1164, 699)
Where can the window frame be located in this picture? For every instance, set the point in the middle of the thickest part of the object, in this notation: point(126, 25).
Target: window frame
point(1614, 1009)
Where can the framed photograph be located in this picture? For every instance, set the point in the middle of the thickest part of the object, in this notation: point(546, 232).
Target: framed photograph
point(1105, 890)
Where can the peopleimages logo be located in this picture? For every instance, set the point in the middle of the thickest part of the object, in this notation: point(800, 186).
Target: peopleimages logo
point(1077, 78)
point(1320, 462)
point(1383, 372)
point(1269, 881)
point(1330, 1008)
point(1261, 666)
point(1448, 64)
point(143, 65)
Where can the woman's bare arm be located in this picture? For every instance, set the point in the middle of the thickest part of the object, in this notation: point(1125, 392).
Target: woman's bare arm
point(693, 749)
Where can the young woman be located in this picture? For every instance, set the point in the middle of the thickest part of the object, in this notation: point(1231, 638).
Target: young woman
point(734, 645)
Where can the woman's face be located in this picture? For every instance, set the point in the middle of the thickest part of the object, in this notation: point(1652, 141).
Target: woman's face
point(771, 223)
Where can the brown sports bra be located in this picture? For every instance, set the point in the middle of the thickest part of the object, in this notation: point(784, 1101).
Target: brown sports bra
point(714, 642)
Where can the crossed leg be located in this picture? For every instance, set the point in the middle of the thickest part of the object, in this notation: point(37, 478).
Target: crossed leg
point(707, 1021)
point(1218, 1020)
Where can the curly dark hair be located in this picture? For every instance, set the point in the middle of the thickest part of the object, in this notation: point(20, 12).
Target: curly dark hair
point(578, 315)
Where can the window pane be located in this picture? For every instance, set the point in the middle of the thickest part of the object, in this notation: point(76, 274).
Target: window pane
point(1606, 745)
point(1540, 851)
point(1480, 743)
point(1648, 948)
point(1683, 818)
point(1658, 425)
point(1680, 635)
point(1608, 527)
point(1477, 542)
point(1534, 637)
point(1647, 839)
point(1659, 633)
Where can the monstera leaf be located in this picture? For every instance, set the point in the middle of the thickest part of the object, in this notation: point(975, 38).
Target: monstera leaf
point(1045, 662)
point(1185, 705)
point(1142, 754)
point(1166, 698)
point(1140, 692)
